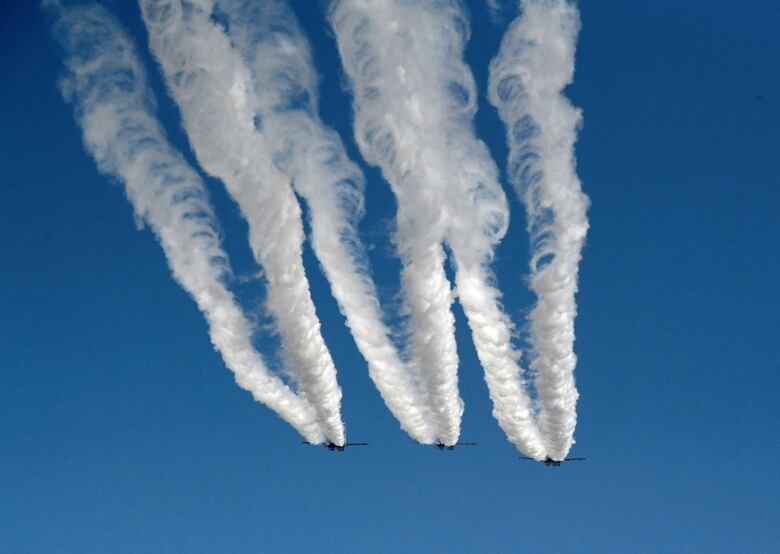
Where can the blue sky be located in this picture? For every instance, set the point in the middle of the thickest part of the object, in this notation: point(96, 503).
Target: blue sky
point(121, 430)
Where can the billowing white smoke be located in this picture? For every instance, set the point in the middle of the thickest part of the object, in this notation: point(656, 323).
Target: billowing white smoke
point(114, 107)
point(535, 63)
point(415, 101)
point(250, 112)
point(211, 85)
point(313, 157)
point(394, 56)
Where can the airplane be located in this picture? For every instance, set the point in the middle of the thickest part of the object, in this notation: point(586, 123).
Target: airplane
point(442, 446)
point(339, 447)
point(550, 462)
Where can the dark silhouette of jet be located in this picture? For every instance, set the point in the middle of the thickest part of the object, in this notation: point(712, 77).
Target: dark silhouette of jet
point(550, 462)
point(338, 447)
point(442, 446)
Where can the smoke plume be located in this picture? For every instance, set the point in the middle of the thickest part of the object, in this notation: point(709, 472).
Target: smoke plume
point(114, 107)
point(527, 77)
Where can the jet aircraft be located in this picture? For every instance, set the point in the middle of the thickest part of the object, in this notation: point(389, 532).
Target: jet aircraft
point(550, 462)
point(338, 447)
point(442, 446)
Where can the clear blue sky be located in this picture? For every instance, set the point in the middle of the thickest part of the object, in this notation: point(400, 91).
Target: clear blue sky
point(122, 431)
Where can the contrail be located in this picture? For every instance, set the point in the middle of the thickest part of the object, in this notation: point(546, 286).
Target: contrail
point(313, 157)
point(534, 64)
point(415, 101)
point(390, 53)
point(210, 83)
point(114, 107)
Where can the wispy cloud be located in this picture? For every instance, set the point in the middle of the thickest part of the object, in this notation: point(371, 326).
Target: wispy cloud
point(496, 10)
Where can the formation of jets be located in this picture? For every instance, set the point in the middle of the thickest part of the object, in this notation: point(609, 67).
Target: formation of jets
point(549, 462)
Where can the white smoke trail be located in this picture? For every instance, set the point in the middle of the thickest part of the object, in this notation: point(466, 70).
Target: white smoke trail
point(210, 84)
point(535, 63)
point(415, 101)
point(113, 104)
point(313, 156)
point(390, 51)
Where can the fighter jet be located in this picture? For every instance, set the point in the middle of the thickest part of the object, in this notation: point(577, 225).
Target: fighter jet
point(338, 447)
point(550, 462)
point(442, 446)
